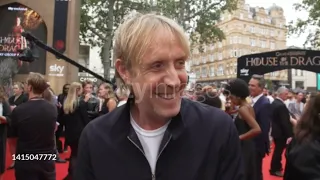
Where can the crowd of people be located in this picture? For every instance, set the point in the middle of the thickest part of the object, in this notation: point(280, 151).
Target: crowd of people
point(150, 127)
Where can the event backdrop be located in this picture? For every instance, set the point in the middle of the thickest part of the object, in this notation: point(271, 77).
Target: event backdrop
point(14, 19)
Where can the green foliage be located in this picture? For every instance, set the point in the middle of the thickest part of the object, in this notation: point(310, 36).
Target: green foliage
point(99, 18)
point(312, 23)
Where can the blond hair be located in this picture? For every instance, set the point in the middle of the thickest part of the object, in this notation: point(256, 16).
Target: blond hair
point(110, 93)
point(37, 82)
point(71, 101)
point(135, 35)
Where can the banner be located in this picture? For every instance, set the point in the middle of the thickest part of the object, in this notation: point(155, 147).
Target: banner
point(60, 25)
point(267, 62)
point(16, 18)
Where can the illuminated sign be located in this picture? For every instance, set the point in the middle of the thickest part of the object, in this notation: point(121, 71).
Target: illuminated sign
point(15, 19)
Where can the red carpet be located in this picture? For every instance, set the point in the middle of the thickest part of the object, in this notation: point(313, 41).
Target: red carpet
point(62, 168)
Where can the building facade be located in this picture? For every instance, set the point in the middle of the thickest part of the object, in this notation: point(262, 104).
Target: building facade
point(248, 30)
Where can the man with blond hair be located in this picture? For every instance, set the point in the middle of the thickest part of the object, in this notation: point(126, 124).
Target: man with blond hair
point(157, 134)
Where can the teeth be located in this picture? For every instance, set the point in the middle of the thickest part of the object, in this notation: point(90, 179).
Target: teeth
point(166, 96)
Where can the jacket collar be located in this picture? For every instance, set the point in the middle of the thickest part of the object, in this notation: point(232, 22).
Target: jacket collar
point(122, 125)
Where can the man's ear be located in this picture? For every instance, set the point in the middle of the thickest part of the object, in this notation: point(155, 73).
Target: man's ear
point(122, 70)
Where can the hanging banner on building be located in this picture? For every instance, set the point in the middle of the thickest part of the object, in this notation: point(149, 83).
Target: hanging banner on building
point(267, 62)
point(16, 18)
point(60, 25)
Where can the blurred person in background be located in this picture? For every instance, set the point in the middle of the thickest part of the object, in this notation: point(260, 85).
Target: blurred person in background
point(18, 98)
point(61, 120)
point(93, 103)
point(5, 112)
point(76, 118)
point(50, 97)
point(210, 98)
point(123, 95)
point(34, 124)
point(281, 130)
point(303, 153)
point(261, 106)
point(246, 124)
point(296, 107)
point(108, 99)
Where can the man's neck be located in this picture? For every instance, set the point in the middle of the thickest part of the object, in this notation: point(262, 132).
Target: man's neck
point(147, 121)
point(33, 96)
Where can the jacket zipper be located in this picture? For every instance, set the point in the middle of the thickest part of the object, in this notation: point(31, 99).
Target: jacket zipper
point(153, 176)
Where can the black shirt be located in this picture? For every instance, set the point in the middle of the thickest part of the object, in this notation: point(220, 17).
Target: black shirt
point(200, 143)
point(34, 123)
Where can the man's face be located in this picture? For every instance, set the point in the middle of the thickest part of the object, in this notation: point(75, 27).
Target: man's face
point(265, 92)
point(88, 89)
point(159, 80)
point(254, 88)
point(66, 89)
point(284, 95)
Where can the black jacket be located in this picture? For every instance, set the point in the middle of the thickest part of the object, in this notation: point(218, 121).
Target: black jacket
point(303, 161)
point(281, 125)
point(92, 107)
point(201, 143)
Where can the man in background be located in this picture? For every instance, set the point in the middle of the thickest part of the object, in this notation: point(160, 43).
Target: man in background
point(93, 103)
point(34, 124)
point(281, 130)
point(261, 106)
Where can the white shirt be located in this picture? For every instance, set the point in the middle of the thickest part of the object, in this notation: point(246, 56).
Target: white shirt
point(150, 141)
point(121, 103)
point(271, 99)
point(255, 99)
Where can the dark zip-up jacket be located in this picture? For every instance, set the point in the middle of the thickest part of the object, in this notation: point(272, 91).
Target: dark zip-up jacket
point(200, 143)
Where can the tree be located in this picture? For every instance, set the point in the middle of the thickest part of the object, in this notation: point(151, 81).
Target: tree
point(99, 19)
point(311, 24)
point(198, 18)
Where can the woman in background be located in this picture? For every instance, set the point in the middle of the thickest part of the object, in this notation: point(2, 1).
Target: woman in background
point(18, 98)
point(4, 121)
point(246, 124)
point(108, 99)
point(303, 153)
point(75, 112)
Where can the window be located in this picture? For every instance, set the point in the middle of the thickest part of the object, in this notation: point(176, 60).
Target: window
point(263, 44)
point(211, 57)
point(212, 47)
point(301, 73)
point(252, 42)
point(252, 29)
point(235, 39)
point(271, 33)
point(211, 71)
point(250, 15)
point(262, 21)
point(272, 45)
point(220, 56)
point(241, 16)
point(219, 44)
point(231, 40)
point(280, 25)
point(239, 40)
point(204, 71)
point(198, 73)
point(204, 60)
point(220, 70)
point(299, 84)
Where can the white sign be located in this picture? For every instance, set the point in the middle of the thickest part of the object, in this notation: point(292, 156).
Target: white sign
point(244, 72)
point(88, 78)
point(56, 70)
